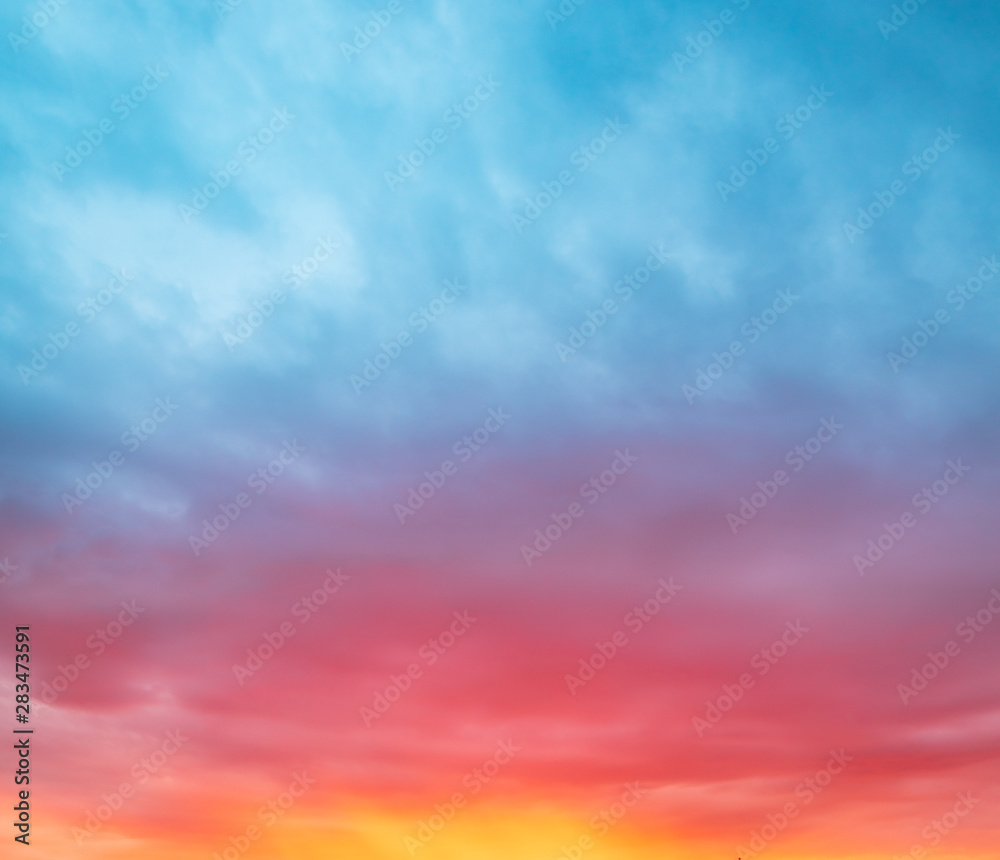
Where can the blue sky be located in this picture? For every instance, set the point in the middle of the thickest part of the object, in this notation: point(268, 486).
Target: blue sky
point(211, 82)
point(352, 121)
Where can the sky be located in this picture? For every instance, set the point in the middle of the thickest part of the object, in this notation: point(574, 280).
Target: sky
point(550, 430)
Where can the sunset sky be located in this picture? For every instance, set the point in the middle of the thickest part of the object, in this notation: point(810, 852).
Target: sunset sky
point(476, 431)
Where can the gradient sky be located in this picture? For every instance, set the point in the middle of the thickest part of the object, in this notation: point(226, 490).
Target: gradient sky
point(134, 295)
